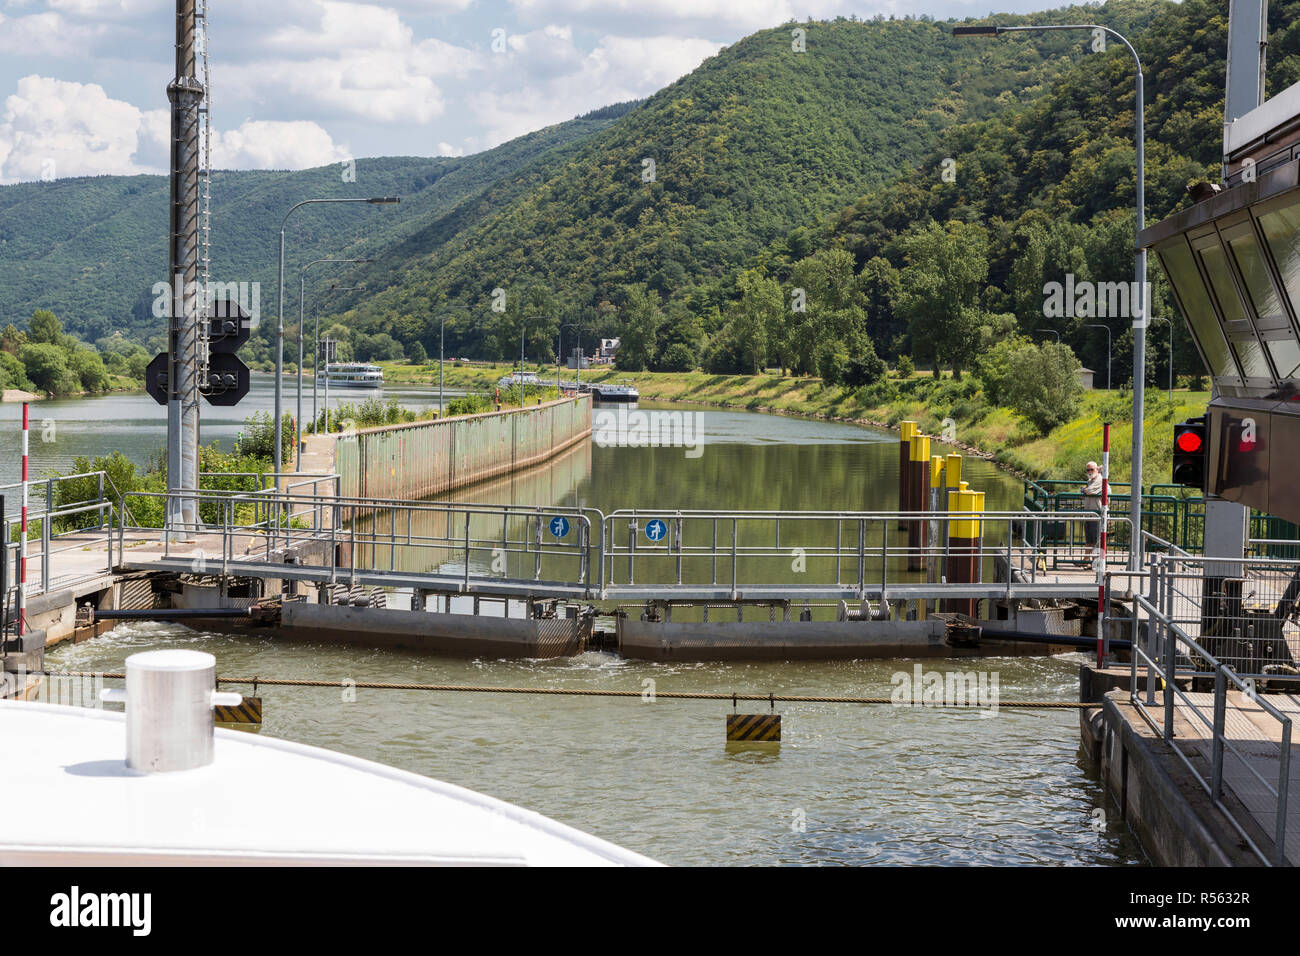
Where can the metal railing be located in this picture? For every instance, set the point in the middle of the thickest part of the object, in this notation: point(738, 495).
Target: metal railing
point(729, 555)
point(453, 546)
point(580, 552)
point(57, 527)
point(1169, 654)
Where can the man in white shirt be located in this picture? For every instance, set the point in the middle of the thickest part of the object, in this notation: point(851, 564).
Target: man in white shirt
point(1092, 502)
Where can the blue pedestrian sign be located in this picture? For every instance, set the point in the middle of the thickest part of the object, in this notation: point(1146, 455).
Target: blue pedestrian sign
point(559, 526)
point(655, 529)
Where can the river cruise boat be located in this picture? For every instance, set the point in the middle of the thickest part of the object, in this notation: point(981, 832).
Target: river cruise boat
point(183, 793)
point(351, 375)
point(519, 378)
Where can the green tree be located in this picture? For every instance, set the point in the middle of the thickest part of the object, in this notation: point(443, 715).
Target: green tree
point(13, 374)
point(47, 367)
point(45, 327)
point(939, 290)
point(416, 354)
point(89, 368)
point(641, 321)
point(1041, 382)
point(757, 316)
point(678, 357)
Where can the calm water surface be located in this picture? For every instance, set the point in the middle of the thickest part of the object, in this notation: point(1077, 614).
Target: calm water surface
point(849, 785)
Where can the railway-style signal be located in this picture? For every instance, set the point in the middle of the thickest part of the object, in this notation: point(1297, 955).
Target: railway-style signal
point(227, 378)
point(1190, 453)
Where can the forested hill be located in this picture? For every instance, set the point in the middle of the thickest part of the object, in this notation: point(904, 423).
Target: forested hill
point(760, 143)
point(89, 249)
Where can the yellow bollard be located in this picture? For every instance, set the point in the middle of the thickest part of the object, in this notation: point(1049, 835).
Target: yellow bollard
point(919, 483)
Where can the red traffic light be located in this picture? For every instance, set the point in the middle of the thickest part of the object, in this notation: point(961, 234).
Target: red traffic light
point(1190, 442)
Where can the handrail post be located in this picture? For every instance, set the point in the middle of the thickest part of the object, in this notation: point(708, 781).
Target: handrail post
point(1283, 782)
point(735, 539)
point(466, 589)
point(1216, 743)
point(538, 521)
point(100, 496)
point(675, 540)
point(1170, 657)
point(862, 559)
point(1156, 600)
point(45, 553)
point(631, 548)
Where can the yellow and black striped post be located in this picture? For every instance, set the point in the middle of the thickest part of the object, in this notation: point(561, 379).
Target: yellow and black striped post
point(918, 528)
point(964, 536)
point(247, 711)
point(754, 728)
point(905, 432)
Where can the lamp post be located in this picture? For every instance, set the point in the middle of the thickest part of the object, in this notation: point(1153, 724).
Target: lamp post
point(442, 341)
point(316, 362)
point(279, 321)
point(1107, 328)
point(302, 297)
point(1140, 263)
point(1051, 332)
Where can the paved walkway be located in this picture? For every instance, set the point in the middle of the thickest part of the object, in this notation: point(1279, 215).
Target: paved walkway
point(1255, 748)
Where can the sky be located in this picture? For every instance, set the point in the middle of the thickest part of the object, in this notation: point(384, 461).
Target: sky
point(301, 83)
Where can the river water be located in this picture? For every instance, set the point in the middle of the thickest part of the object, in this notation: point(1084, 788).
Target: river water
point(850, 784)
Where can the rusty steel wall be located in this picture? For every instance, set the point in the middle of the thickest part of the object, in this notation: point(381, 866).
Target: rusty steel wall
point(424, 459)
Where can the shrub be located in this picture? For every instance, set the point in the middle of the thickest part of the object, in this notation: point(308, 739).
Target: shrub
point(678, 357)
point(905, 366)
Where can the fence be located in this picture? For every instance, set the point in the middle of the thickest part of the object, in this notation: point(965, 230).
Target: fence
point(1169, 514)
point(1226, 628)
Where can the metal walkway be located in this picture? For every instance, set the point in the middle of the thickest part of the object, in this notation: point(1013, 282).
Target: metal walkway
point(310, 534)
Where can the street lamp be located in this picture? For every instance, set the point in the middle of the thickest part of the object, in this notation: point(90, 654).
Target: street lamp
point(315, 364)
point(442, 339)
point(1140, 263)
point(302, 297)
point(1052, 332)
point(279, 320)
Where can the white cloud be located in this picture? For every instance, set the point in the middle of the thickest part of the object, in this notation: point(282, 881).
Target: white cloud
point(545, 79)
point(355, 60)
point(54, 127)
point(44, 34)
point(715, 17)
point(446, 149)
point(262, 144)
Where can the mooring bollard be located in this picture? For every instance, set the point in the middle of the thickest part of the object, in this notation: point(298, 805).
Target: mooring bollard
point(951, 482)
point(905, 432)
point(169, 697)
point(918, 528)
point(936, 505)
point(964, 546)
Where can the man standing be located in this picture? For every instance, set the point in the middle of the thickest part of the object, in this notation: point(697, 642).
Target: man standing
point(1092, 502)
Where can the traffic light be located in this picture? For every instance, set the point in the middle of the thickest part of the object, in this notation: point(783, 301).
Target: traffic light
point(227, 378)
point(228, 328)
point(1190, 452)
